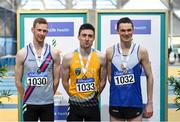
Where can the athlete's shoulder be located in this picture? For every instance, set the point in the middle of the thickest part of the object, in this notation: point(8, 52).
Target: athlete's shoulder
point(22, 50)
point(67, 58)
point(142, 49)
point(143, 53)
point(101, 56)
point(109, 49)
point(55, 51)
point(21, 54)
point(68, 55)
point(109, 52)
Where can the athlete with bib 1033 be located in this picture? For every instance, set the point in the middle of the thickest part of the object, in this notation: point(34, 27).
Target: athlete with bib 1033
point(125, 62)
point(38, 66)
point(84, 77)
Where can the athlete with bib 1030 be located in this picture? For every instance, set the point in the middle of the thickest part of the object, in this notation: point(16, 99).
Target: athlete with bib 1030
point(84, 77)
point(38, 65)
point(125, 62)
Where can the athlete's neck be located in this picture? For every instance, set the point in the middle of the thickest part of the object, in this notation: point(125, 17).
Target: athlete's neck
point(125, 45)
point(85, 52)
point(38, 45)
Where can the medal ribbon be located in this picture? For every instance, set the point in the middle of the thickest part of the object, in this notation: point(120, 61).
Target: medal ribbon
point(123, 58)
point(84, 68)
point(38, 61)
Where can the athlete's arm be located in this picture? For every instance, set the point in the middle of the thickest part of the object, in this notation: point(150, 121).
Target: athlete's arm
point(109, 52)
point(56, 68)
point(148, 72)
point(103, 72)
point(66, 71)
point(19, 70)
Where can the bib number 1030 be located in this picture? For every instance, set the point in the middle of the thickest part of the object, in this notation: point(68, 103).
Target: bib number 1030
point(124, 79)
point(37, 81)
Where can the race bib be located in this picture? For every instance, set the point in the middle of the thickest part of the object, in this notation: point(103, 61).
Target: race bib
point(124, 79)
point(35, 79)
point(85, 85)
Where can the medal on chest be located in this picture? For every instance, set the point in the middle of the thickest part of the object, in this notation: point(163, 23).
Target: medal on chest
point(125, 59)
point(125, 69)
point(84, 77)
point(39, 59)
point(39, 70)
point(84, 67)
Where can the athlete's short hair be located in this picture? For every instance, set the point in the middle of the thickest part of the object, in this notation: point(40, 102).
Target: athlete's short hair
point(39, 21)
point(124, 20)
point(86, 26)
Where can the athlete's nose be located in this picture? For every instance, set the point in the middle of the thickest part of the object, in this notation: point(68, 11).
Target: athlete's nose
point(86, 38)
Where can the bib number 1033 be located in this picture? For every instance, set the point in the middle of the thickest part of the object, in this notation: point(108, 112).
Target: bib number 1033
point(124, 79)
point(85, 87)
point(37, 81)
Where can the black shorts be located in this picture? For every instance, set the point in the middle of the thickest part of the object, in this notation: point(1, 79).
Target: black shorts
point(125, 112)
point(38, 112)
point(77, 113)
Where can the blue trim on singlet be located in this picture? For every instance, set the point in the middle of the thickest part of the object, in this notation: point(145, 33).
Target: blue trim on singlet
point(26, 54)
point(31, 49)
point(121, 52)
point(46, 46)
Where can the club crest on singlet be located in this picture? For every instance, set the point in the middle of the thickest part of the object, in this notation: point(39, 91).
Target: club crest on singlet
point(78, 71)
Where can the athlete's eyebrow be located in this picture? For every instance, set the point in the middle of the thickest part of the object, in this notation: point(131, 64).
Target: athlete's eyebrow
point(124, 30)
point(89, 35)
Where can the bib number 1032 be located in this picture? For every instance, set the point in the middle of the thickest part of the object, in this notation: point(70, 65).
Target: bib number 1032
point(124, 79)
point(37, 81)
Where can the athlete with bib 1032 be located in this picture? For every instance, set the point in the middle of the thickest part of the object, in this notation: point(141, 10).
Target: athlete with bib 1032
point(84, 77)
point(38, 66)
point(125, 61)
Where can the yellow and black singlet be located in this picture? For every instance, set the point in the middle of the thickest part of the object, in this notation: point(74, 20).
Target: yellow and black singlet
point(84, 87)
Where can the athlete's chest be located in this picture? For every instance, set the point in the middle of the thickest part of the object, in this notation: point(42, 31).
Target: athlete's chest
point(91, 65)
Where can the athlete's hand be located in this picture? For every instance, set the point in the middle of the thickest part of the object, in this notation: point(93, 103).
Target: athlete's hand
point(148, 112)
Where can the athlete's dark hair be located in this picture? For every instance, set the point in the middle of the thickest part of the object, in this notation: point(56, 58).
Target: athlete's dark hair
point(39, 21)
point(86, 26)
point(124, 20)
